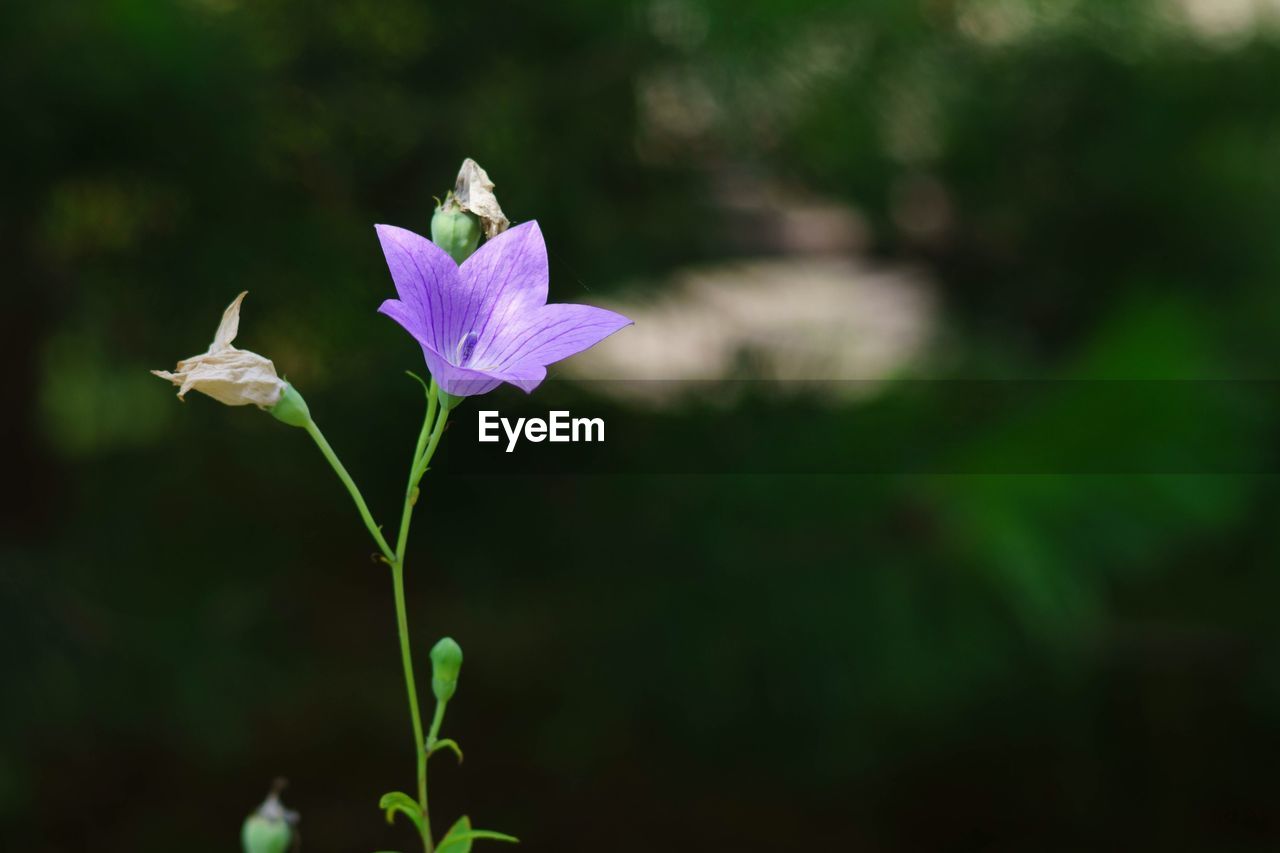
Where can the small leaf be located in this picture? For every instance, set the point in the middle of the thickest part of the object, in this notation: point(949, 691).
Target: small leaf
point(467, 837)
point(448, 743)
point(398, 801)
point(460, 836)
point(451, 843)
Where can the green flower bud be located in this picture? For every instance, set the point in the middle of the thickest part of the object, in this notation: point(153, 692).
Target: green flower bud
point(291, 408)
point(270, 828)
point(455, 230)
point(446, 661)
point(261, 835)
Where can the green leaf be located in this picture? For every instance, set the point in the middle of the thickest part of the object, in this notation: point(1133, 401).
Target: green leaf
point(398, 801)
point(447, 845)
point(463, 840)
point(447, 743)
point(459, 837)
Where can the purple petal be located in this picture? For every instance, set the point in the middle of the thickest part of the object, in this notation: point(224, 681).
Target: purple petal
point(508, 276)
point(458, 381)
point(486, 322)
point(548, 334)
point(402, 314)
point(526, 377)
point(468, 382)
point(433, 299)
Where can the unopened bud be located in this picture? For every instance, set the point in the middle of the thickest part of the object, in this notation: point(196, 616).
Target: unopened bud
point(466, 211)
point(455, 230)
point(270, 828)
point(446, 661)
point(291, 408)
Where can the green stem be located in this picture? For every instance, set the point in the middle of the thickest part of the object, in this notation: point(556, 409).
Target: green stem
point(434, 734)
point(374, 530)
point(421, 460)
point(402, 628)
point(427, 424)
point(428, 440)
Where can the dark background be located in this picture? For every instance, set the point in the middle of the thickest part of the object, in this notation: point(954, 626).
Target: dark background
point(975, 654)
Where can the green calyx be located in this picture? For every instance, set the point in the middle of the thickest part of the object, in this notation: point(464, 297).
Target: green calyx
point(291, 408)
point(448, 402)
point(446, 662)
point(455, 230)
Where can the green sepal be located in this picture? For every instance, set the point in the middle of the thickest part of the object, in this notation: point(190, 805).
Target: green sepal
point(291, 408)
point(448, 401)
point(398, 801)
point(425, 387)
point(459, 837)
point(449, 744)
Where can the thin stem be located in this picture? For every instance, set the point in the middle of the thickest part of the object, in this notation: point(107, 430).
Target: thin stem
point(397, 579)
point(402, 628)
point(434, 734)
point(421, 457)
point(428, 439)
point(427, 423)
point(374, 530)
point(415, 475)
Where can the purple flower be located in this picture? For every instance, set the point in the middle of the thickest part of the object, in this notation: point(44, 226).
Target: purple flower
point(487, 321)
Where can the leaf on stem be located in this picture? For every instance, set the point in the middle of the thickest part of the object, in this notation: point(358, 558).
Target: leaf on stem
point(447, 743)
point(398, 801)
point(459, 837)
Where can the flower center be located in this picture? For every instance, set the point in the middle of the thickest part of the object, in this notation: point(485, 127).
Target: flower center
point(466, 348)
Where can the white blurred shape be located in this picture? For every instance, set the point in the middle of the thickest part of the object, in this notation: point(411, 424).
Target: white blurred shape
point(1227, 23)
point(804, 320)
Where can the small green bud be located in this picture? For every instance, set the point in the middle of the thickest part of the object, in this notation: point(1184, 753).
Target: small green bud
point(455, 230)
point(446, 661)
point(261, 835)
point(270, 828)
point(291, 408)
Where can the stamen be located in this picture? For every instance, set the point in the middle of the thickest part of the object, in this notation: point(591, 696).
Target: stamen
point(466, 348)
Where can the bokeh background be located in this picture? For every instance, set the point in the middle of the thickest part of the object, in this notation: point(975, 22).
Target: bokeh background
point(965, 655)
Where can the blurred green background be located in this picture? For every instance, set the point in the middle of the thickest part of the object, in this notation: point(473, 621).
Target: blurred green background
point(946, 189)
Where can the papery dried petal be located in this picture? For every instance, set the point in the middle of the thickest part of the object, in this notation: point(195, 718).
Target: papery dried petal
point(230, 325)
point(232, 376)
point(474, 193)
